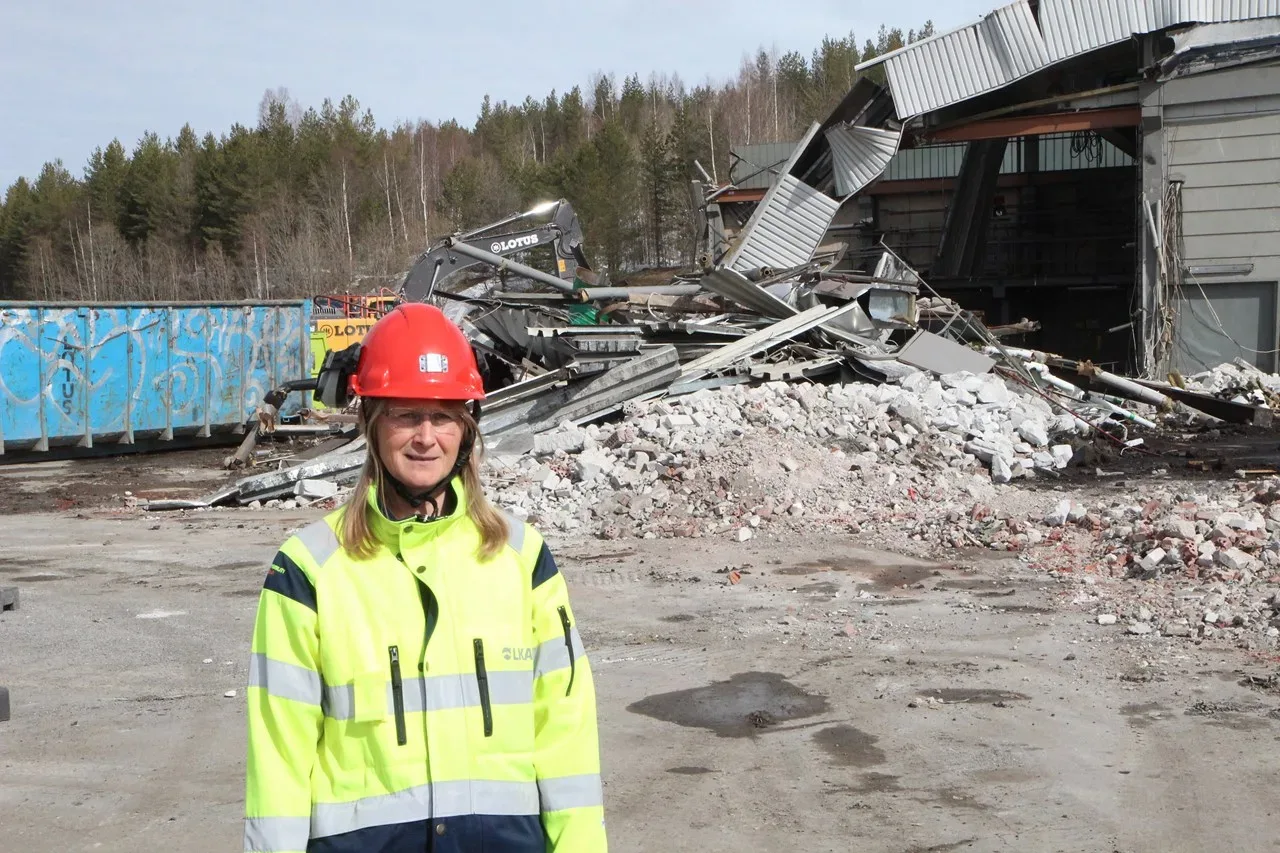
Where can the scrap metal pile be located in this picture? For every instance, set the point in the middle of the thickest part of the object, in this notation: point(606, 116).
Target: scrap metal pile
point(621, 389)
point(634, 409)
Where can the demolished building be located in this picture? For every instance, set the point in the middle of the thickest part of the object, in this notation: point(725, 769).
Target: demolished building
point(1109, 164)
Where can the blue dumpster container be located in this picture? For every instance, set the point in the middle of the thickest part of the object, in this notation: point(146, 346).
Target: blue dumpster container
point(146, 373)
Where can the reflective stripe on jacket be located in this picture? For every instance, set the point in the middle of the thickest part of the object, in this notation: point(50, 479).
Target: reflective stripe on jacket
point(421, 699)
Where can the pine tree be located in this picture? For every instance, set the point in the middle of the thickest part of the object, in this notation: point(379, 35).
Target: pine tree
point(309, 200)
point(15, 224)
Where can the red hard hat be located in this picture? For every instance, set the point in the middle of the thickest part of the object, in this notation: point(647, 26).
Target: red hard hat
point(415, 352)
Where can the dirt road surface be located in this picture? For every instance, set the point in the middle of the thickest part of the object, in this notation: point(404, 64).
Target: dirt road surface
point(832, 699)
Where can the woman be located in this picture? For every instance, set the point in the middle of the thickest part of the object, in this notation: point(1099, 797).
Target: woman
point(417, 681)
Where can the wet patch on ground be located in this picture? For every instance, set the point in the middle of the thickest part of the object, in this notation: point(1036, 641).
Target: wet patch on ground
point(600, 558)
point(1239, 722)
point(973, 696)
point(744, 706)
point(977, 585)
point(242, 593)
point(1006, 776)
point(944, 848)
point(43, 577)
point(1029, 609)
point(954, 798)
point(1144, 715)
point(882, 577)
point(690, 771)
point(826, 590)
point(14, 565)
point(870, 783)
point(850, 747)
point(238, 567)
point(679, 618)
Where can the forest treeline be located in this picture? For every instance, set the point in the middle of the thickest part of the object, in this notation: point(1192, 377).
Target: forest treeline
point(324, 200)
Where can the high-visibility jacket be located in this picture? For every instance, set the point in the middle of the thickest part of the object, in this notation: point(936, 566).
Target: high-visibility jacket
point(420, 700)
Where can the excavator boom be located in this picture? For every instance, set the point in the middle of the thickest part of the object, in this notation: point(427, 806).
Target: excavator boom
point(562, 232)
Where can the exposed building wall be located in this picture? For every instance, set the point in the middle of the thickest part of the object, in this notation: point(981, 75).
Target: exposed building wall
point(1072, 225)
point(1220, 138)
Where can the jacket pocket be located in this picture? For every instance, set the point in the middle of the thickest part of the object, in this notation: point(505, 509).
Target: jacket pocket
point(482, 679)
point(568, 644)
point(397, 694)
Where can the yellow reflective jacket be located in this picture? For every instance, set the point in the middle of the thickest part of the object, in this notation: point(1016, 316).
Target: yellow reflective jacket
point(420, 700)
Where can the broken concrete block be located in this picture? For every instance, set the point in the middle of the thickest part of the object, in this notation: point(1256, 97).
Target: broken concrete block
point(1140, 629)
point(315, 489)
point(1236, 560)
point(547, 443)
point(1108, 619)
point(744, 534)
point(1034, 433)
point(1180, 528)
point(4, 704)
point(788, 464)
point(1001, 470)
point(8, 598)
point(993, 391)
point(907, 409)
point(1153, 559)
point(1064, 425)
point(677, 421)
point(1057, 517)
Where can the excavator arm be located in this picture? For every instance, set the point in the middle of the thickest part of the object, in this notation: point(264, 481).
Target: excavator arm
point(561, 231)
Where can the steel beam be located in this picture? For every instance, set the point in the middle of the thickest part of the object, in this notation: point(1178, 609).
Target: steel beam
point(1039, 125)
point(964, 232)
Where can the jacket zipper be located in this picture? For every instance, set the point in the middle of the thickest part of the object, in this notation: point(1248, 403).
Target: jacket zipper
point(482, 678)
point(568, 644)
point(397, 695)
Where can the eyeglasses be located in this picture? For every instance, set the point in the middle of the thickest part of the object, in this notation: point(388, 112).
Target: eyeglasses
point(408, 419)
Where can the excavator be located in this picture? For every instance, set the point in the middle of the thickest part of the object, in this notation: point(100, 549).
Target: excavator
point(553, 224)
point(494, 243)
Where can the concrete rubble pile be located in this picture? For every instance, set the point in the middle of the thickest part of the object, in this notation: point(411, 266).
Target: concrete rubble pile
point(1240, 382)
point(739, 458)
point(1192, 560)
point(745, 460)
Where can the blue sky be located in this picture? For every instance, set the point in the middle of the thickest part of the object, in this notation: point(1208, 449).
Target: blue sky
point(76, 73)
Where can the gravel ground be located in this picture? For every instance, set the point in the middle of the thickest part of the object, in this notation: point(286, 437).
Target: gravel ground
point(790, 692)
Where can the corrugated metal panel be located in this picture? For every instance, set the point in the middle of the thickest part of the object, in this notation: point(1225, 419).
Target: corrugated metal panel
point(80, 375)
point(1007, 44)
point(734, 285)
point(861, 155)
point(992, 53)
point(1072, 27)
point(786, 228)
point(770, 157)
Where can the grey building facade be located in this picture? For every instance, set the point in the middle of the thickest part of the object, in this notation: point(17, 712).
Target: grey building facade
point(1211, 151)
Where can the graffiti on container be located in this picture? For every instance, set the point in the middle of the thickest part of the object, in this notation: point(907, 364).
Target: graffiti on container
point(142, 368)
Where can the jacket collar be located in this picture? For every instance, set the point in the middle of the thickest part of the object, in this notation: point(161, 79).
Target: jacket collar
point(393, 533)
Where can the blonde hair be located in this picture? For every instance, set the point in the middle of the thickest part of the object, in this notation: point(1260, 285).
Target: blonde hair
point(355, 532)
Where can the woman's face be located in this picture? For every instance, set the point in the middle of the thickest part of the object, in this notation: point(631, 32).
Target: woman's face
point(418, 440)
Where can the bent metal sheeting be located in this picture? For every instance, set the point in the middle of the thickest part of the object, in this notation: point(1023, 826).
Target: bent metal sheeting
point(1010, 43)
